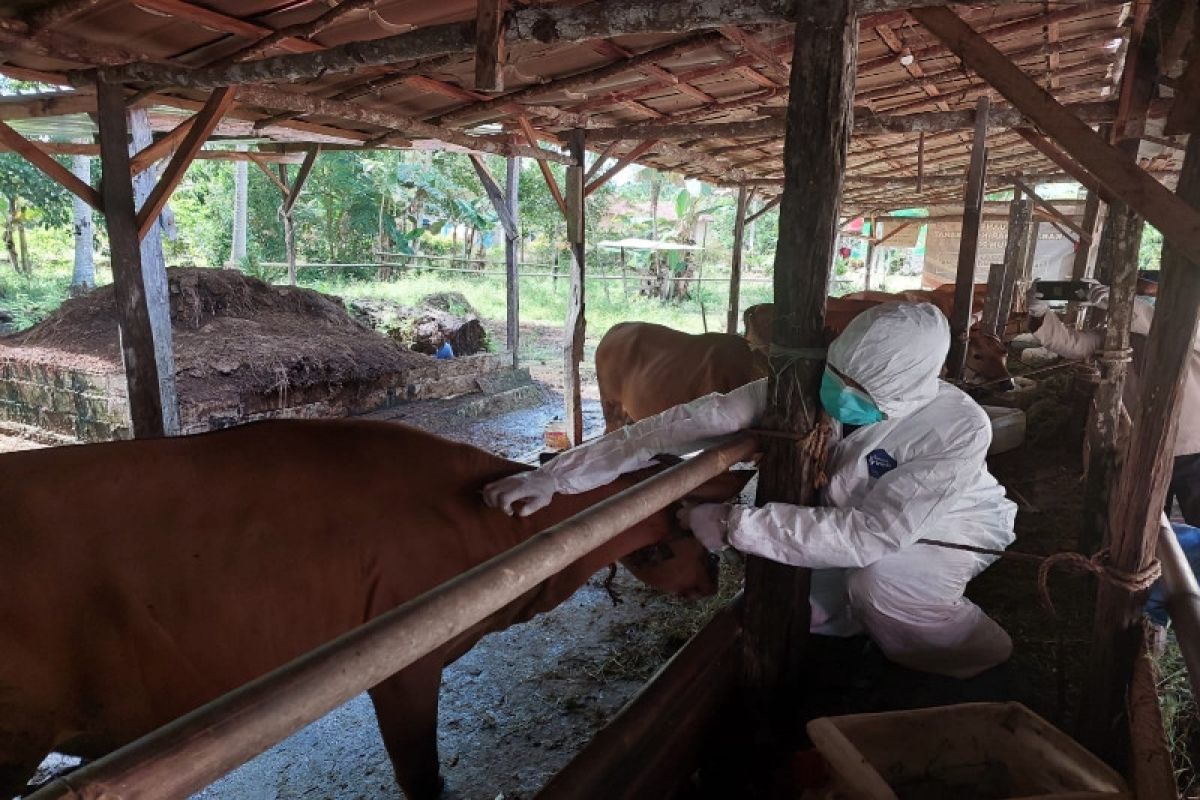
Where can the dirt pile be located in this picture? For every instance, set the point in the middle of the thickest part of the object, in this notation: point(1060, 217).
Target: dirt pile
point(233, 335)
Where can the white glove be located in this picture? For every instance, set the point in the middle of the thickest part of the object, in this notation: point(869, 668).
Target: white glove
point(709, 522)
point(1098, 296)
point(1034, 304)
point(533, 490)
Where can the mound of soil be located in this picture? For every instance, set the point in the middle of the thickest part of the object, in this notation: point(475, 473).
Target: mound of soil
point(234, 335)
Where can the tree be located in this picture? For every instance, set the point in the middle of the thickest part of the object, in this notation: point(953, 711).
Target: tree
point(30, 199)
point(83, 278)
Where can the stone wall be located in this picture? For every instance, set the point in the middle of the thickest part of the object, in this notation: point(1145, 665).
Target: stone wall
point(88, 403)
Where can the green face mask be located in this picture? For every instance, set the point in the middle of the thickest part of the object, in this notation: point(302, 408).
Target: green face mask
point(847, 404)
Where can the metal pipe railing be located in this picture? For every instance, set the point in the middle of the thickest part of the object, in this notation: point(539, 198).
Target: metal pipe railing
point(196, 749)
point(1183, 601)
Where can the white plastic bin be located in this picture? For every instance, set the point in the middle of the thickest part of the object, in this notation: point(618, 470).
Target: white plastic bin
point(982, 751)
point(1008, 428)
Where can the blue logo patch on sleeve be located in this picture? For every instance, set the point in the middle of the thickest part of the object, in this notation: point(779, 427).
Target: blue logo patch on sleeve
point(879, 463)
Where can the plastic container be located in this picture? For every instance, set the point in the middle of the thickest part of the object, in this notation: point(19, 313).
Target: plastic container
point(983, 751)
point(1008, 428)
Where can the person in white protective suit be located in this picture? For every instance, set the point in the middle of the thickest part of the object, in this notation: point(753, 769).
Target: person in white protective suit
point(907, 463)
point(1079, 345)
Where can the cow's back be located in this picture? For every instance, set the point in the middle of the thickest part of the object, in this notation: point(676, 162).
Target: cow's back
point(288, 533)
point(643, 368)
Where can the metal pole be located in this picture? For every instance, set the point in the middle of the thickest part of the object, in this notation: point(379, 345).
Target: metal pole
point(186, 755)
point(1183, 601)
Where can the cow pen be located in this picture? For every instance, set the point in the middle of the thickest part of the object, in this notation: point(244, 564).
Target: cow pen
point(828, 111)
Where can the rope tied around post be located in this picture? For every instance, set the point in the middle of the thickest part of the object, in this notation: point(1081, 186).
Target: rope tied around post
point(1076, 563)
point(814, 444)
point(1130, 582)
point(1121, 355)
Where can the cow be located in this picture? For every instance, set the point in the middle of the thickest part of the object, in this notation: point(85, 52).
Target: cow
point(987, 357)
point(142, 579)
point(643, 368)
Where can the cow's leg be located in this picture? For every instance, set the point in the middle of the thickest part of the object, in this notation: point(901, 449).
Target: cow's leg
point(615, 416)
point(406, 706)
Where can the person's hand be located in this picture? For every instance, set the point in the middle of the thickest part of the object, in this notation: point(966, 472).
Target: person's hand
point(532, 491)
point(1034, 304)
point(708, 522)
point(1098, 296)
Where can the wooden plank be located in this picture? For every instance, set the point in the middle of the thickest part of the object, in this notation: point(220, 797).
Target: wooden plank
point(1136, 504)
point(1085, 251)
point(1018, 251)
point(621, 163)
point(1176, 220)
point(547, 175)
point(139, 346)
point(598, 164)
point(300, 32)
point(735, 268)
point(921, 161)
point(310, 158)
point(52, 169)
point(489, 45)
point(495, 194)
point(206, 121)
point(512, 199)
point(819, 121)
point(576, 324)
point(1065, 162)
point(774, 67)
point(894, 231)
point(1050, 209)
point(964, 283)
point(161, 147)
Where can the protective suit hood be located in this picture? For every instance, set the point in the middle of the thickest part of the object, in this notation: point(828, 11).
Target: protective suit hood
point(895, 351)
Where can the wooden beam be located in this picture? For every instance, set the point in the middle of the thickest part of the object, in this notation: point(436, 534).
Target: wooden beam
point(205, 122)
point(547, 175)
point(1185, 112)
point(139, 346)
point(819, 116)
point(921, 161)
point(310, 159)
point(1081, 233)
point(512, 278)
point(1136, 504)
point(774, 201)
point(964, 283)
point(1068, 165)
point(489, 45)
point(1085, 252)
point(297, 33)
point(495, 194)
point(224, 23)
point(896, 230)
point(598, 164)
point(775, 68)
point(308, 104)
point(1021, 237)
point(641, 149)
point(866, 123)
point(732, 316)
point(576, 325)
point(162, 146)
point(565, 24)
point(52, 15)
point(51, 168)
point(271, 176)
point(1177, 221)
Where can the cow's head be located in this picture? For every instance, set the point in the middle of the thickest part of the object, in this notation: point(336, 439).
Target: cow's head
point(758, 320)
point(987, 361)
point(675, 561)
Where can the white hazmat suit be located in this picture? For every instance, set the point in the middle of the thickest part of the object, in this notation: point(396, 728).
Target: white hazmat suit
point(920, 473)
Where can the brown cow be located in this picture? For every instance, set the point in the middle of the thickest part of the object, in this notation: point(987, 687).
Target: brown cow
point(987, 357)
point(643, 368)
point(142, 579)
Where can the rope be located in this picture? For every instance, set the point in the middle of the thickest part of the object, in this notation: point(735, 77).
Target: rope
point(1122, 355)
point(1076, 563)
point(798, 353)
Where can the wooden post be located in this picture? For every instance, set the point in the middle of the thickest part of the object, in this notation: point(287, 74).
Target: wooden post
point(1118, 259)
point(1016, 255)
point(1137, 505)
point(990, 322)
point(735, 267)
point(140, 287)
point(576, 319)
point(1085, 252)
point(872, 244)
point(489, 45)
point(819, 121)
point(512, 176)
point(964, 284)
point(624, 275)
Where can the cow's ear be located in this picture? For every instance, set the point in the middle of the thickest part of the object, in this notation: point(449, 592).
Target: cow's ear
point(726, 486)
